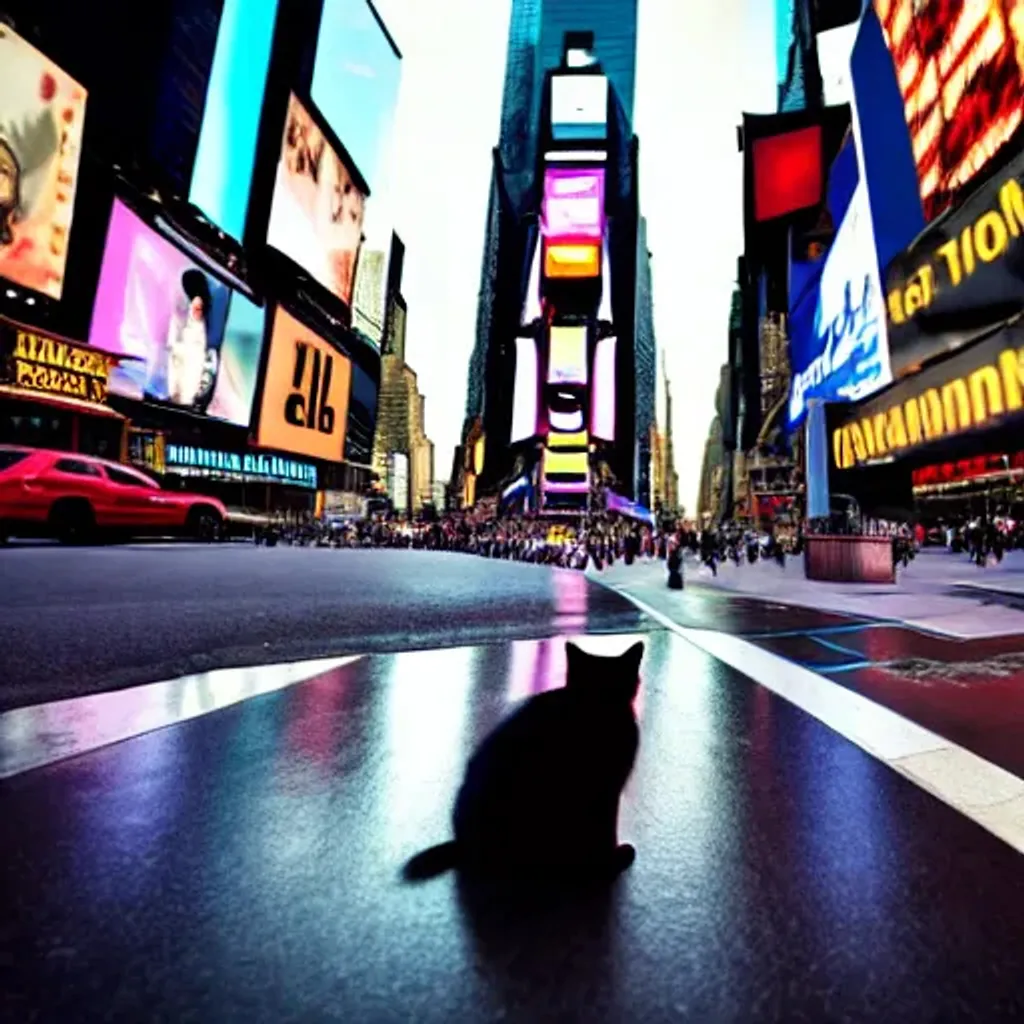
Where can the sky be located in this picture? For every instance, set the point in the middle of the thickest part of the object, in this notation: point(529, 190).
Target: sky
point(698, 67)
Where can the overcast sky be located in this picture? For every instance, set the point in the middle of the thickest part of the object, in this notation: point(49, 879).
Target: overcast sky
point(699, 66)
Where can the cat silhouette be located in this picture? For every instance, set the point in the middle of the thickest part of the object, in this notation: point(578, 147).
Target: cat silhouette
point(540, 797)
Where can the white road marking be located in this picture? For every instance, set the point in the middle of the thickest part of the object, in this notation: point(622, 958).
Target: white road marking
point(978, 789)
point(46, 733)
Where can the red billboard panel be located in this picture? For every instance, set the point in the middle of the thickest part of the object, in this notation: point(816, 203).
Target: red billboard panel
point(788, 173)
point(960, 66)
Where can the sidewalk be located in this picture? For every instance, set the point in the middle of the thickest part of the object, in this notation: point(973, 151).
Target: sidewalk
point(939, 591)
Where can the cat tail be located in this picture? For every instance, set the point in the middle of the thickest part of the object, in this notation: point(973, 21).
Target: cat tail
point(430, 863)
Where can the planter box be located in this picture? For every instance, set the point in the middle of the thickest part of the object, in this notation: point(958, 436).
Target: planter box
point(837, 559)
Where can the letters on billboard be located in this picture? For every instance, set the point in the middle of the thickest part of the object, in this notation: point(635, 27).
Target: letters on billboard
point(962, 277)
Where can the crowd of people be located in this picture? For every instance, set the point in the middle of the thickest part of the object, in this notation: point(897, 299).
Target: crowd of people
point(601, 538)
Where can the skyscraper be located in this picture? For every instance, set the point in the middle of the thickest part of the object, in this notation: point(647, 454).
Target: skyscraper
point(536, 35)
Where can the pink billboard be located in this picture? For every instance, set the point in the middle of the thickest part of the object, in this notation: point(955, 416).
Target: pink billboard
point(157, 306)
point(573, 203)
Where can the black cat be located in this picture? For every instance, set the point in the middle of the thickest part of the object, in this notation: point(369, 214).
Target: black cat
point(541, 794)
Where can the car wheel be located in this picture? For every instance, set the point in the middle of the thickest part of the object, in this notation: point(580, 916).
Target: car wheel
point(204, 524)
point(72, 522)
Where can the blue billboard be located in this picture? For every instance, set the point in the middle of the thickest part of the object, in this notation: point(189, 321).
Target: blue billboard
point(222, 175)
point(838, 342)
point(355, 82)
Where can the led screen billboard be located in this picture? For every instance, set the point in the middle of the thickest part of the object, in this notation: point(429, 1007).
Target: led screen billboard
point(305, 393)
point(355, 82)
point(572, 260)
point(838, 339)
point(42, 113)
point(579, 108)
point(362, 418)
point(567, 355)
point(573, 206)
point(524, 396)
point(787, 172)
point(960, 67)
point(157, 306)
point(316, 214)
point(603, 391)
point(222, 175)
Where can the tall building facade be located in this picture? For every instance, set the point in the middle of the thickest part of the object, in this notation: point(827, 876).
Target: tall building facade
point(548, 36)
point(645, 368)
point(536, 33)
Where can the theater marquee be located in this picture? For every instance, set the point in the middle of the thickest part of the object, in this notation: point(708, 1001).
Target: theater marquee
point(979, 388)
point(39, 362)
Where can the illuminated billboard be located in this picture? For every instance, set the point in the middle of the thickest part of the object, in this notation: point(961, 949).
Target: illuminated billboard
point(222, 175)
point(603, 391)
point(961, 73)
point(305, 393)
point(316, 214)
point(573, 206)
point(579, 108)
point(524, 397)
point(355, 82)
point(156, 304)
point(567, 355)
point(42, 113)
point(572, 260)
point(787, 172)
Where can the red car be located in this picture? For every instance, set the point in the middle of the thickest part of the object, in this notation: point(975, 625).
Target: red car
point(77, 497)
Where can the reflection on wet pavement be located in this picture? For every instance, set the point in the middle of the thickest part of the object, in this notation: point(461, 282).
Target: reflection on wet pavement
point(246, 865)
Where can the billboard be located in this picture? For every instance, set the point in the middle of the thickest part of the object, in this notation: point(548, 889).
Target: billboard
point(316, 213)
point(976, 390)
point(572, 260)
point(787, 172)
point(603, 392)
point(42, 114)
point(226, 154)
point(579, 108)
point(838, 340)
point(356, 76)
point(960, 278)
point(362, 418)
point(567, 355)
point(398, 481)
point(524, 396)
point(573, 205)
point(158, 306)
point(305, 393)
point(960, 67)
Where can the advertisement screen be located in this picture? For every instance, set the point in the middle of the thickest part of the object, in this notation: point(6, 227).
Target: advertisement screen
point(787, 171)
point(603, 392)
point(567, 355)
point(316, 214)
point(42, 113)
point(355, 83)
point(305, 394)
point(362, 417)
point(239, 362)
point(572, 260)
point(222, 175)
point(838, 340)
point(579, 108)
point(573, 203)
point(524, 401)
point(961, 72)
point(155, 305)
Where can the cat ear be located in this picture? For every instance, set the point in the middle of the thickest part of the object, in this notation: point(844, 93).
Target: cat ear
point(575, 659)
point(633, 656)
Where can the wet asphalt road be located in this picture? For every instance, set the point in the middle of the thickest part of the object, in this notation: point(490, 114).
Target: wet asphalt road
point(245, 866)
point(76, 621)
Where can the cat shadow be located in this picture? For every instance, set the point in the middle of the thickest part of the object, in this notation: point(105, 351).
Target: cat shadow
point(524, 933)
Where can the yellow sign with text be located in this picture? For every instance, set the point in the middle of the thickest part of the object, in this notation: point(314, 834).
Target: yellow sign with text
point(983, 241)
point(965, 402)
point(42, 363)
